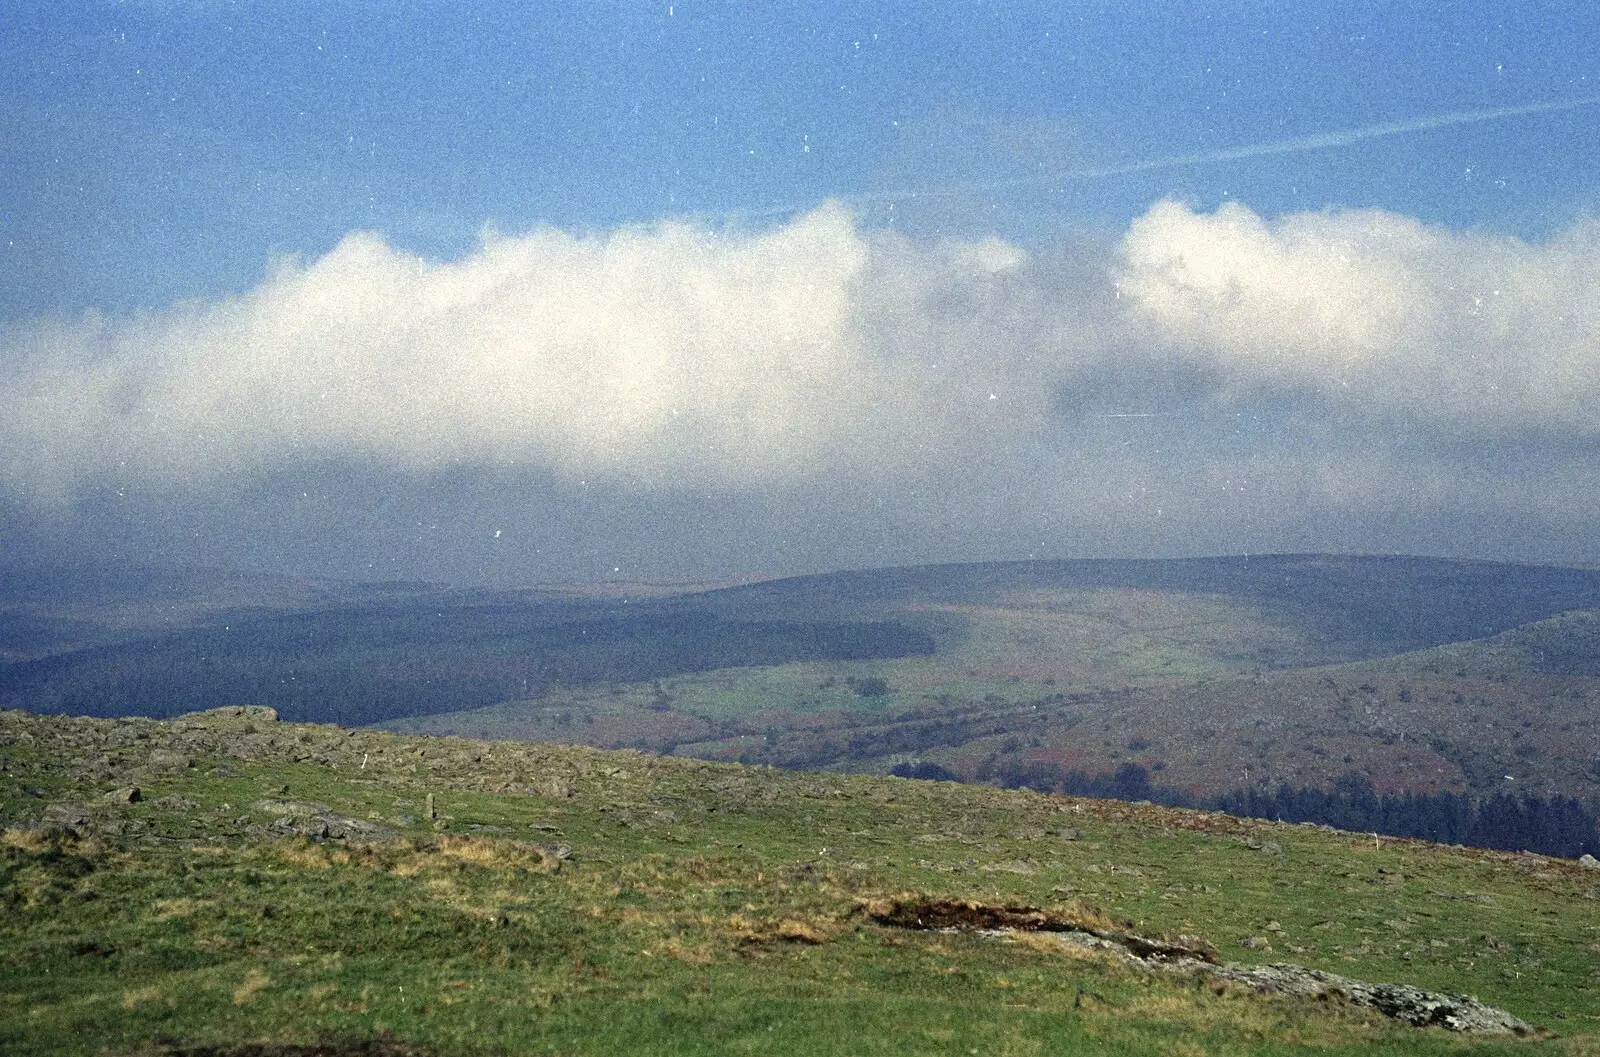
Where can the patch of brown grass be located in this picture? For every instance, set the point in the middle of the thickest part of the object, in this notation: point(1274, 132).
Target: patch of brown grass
point(794, 931)
point(311, 856)
point(484, 853)
point(167, 909)
point(685, 953)
point(255, 982)
point(26, 838)
point(134, 997)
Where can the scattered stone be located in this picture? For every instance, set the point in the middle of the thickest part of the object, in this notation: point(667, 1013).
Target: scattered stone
point(69, 814)
point(1068, 833)
point(1588, 862)
point(558, 788)
point(1256, 943)
point(128, 794)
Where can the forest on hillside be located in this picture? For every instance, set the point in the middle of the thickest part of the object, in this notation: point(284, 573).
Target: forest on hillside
point(361, 667)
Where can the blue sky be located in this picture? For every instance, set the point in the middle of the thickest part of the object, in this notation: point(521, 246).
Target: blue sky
point(199, 138)
point(160, 160)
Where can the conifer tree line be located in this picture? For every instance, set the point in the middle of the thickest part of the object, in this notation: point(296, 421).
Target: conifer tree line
point(1554, 825)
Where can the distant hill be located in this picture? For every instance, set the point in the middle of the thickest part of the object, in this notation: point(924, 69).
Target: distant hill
point(55, 609)
point(1355, 606)
point(1567, 644)
point(1212, 673)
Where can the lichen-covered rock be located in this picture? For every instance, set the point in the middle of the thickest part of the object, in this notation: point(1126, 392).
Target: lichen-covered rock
point(304, 818)
point(168, 761)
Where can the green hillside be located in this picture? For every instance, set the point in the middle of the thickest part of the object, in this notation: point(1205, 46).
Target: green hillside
point(277, 886)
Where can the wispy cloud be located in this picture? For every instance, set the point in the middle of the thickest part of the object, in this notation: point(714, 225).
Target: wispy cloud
point(1314, 142)
point(1269, 148)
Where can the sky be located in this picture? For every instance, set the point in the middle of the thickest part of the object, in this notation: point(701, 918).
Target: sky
point(516, 293)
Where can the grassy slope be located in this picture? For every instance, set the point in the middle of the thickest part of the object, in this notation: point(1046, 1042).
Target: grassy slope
point(706, 908)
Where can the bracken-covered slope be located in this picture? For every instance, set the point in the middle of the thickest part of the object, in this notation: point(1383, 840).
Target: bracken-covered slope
point(229, 884)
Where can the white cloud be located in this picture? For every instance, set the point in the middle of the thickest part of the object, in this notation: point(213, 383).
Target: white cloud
point(668, 356)
point(1464, 331)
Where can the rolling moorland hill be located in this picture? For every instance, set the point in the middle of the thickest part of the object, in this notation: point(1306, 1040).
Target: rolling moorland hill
point(228, 885)
point(1343, 607)
point(1209, 675)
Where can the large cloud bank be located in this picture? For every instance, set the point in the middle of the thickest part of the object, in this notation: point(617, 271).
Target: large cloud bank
point(1463, 332)
point(669, 356)
point(678, 357)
